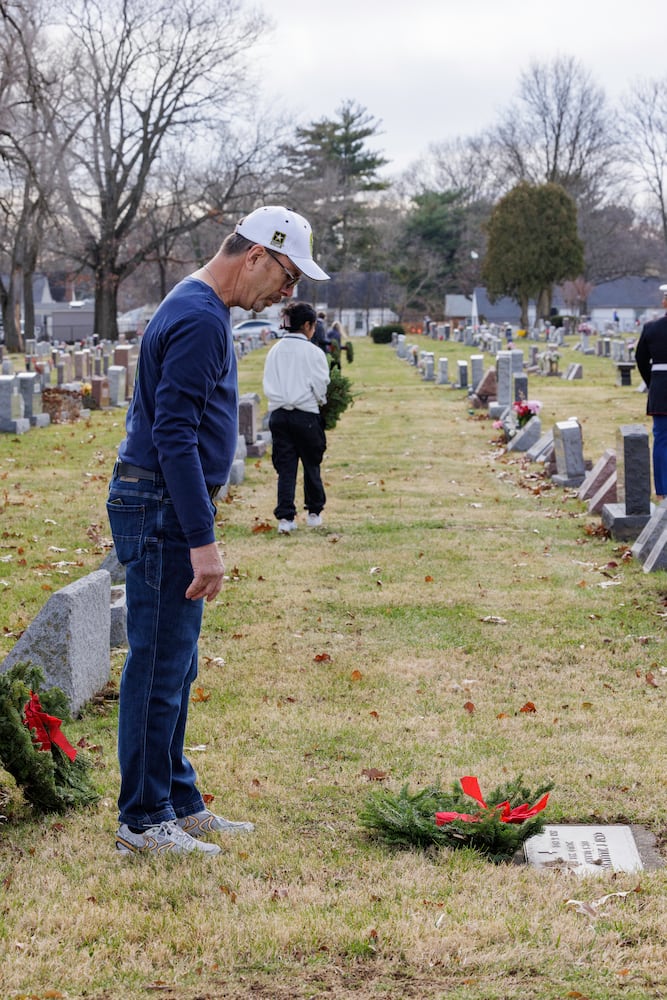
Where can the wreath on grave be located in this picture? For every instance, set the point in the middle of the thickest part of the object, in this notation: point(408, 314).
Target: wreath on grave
point(53, 775)
point(433, 817)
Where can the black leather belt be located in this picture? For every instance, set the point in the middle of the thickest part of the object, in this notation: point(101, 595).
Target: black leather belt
point(125, 470)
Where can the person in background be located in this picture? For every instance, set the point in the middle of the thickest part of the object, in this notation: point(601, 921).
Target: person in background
point(335, 343)
point(181, 437)
point(296, 376)
point(651, 359)
point(319, 337)
point(336, 333)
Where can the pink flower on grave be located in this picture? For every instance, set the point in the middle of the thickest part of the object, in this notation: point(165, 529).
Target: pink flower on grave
point(525, 409)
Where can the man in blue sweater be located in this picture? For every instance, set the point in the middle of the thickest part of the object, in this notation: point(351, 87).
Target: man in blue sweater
point(181, 436)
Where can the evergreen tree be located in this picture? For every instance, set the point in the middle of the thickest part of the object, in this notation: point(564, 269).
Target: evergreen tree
point(427, 252)
point(328, 171)
point(532, 244)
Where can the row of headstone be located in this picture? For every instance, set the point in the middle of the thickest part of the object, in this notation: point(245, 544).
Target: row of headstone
point(619, 489)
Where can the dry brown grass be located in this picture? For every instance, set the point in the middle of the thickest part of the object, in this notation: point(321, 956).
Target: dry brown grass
point(355, 647)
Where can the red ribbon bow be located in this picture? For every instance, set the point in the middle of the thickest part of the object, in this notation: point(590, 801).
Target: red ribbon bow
point(47, 727)
point(471, 787)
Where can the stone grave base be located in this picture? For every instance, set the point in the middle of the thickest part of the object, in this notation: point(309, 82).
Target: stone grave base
point(623, 527)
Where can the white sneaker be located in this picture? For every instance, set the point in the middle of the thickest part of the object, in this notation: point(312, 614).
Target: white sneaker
point(160, 839)
point(285, 527)
point(314, 520)
point(201, 823)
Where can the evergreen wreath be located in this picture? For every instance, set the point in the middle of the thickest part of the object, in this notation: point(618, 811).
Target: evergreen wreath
point(408, 819)
point(53, 775)
point(339, 397)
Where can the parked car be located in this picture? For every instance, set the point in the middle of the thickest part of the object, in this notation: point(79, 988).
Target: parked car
point(250, 327)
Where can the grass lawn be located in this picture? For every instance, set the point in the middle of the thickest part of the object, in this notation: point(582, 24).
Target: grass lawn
point(451, 585)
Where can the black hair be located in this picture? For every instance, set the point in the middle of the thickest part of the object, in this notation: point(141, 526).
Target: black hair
point(296, 315)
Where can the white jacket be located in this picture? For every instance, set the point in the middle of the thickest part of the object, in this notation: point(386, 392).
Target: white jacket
point(296, 374)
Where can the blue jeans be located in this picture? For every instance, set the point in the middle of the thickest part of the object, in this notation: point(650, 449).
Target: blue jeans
point(157, 780)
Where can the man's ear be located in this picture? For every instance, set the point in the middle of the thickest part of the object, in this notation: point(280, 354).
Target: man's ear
point(254, 254)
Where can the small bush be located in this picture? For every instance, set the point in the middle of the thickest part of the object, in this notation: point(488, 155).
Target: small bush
point(383, 334)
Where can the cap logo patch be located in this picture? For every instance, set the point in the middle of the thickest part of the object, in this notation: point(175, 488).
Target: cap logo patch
point(278, 239)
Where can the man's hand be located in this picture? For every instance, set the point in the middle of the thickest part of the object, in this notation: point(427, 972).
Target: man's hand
point(208, 569)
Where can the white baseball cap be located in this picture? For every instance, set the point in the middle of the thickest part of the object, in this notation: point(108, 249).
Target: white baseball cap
point(663, 289)
point(284, 231)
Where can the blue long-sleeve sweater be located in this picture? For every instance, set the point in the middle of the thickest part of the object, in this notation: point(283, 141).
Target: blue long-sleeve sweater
point(183, 417)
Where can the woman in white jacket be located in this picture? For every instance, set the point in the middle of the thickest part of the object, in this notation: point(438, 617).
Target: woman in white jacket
point(296, 376)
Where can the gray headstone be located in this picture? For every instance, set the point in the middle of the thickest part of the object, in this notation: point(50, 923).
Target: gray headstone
point(519, 387)
point(626, 519)
point(114, 568)
point(118, 622)
point(476, 370)
point(650, 535)
point(443, 371)
point(527, 436)
point(633, 466)
point(117, 376)
point(237, 472)
point(462, 368)
point(657, 557)
point(568, 446)
point(591, 849)
point(69, 639)
point(504, 374)
point(542, 450)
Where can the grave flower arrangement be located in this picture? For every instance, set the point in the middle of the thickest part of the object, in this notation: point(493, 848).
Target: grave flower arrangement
point(525, 409)
point(496, 827)
point(53, 775)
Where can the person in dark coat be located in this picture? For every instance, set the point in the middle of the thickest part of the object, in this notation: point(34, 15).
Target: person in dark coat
point(319, 337)
point(651, 358)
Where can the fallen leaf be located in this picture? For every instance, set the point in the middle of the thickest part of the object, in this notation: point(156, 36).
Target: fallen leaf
point(322, 658)
point(356, 675)
point(593, 908)
point(373, 774)
point(650, 679)
point(228, 892)
point(528, 707)
point(261, 526)
point(428, 579)
point(502, 715)
point(200, 695)
point(374, 714)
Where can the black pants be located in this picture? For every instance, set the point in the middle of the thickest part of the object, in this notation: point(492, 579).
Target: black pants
point(297, 435)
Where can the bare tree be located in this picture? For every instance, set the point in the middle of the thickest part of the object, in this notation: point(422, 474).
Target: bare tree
point(644, 129)
point(558, 131)
point(26, 159)
point(143, 76)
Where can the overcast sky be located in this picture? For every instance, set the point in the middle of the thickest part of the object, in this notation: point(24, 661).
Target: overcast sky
point(430, 70)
